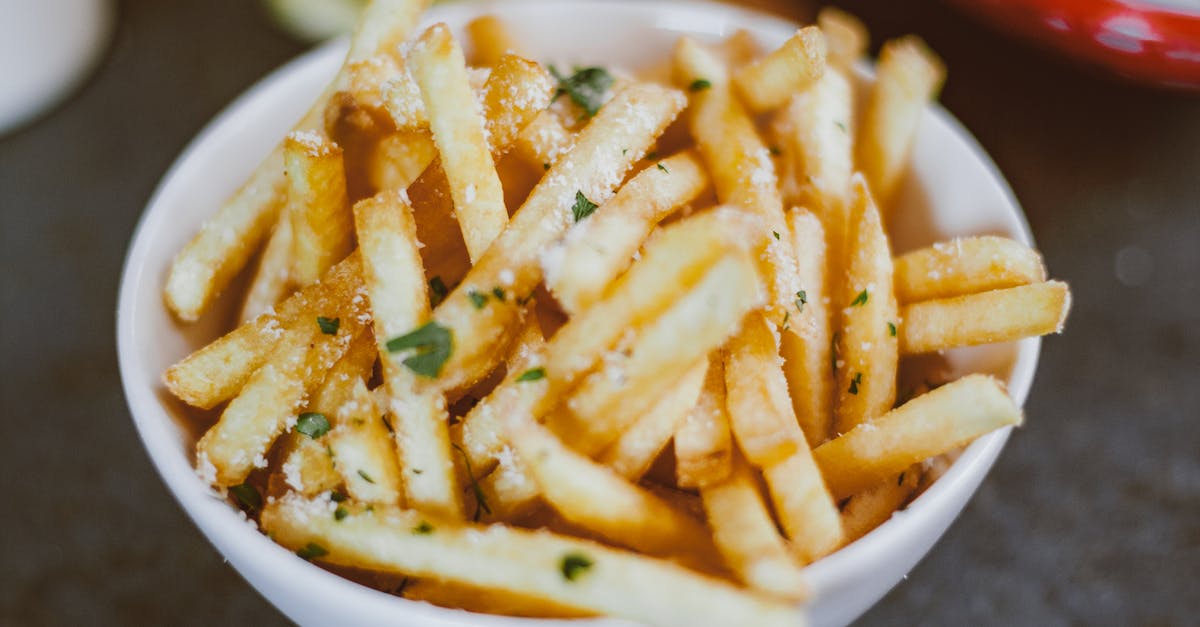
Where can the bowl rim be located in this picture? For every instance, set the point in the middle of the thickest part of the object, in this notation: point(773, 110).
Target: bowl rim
point(218, 522)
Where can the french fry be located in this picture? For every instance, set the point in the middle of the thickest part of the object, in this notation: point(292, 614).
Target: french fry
point(867, 350)
point(601, 501)
point(747, 538)
point(576, 573)
point(484, 600)
point(908, 76)
point(867, 510)
point(578, 273)
point(845, 36)
point(703, 445)
point(272, 277)
point(767, 83)
point(227, 241)
point(760, 412)
point(807, 357)
point(516, 94)
point(544, 141)
point(397, 292)
point(363, 452)
point(437, 65)
point(966, 265)
point(216, 372)
point(631, 455)
point(508, 493)
point(489, 40)
point(322, 226)
point(806, 510)
point(995, 316)
point(605, 149)
point(928, 425)
point(399, 158)
point(402, 100)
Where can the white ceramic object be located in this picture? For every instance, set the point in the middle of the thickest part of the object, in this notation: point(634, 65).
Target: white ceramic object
point(951, 189)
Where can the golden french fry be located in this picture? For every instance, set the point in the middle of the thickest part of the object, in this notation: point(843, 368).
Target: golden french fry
point(908, 76)
point(272, 277)
point(306, 465)
point(516, 94)
point(544, 141)
point(867, 510)
point(703, 446)
point(227, 240)
point(490, 40)
point(807, 356)
point(322, 226)
point(363, 451)
point(484, 600)
point(637, 448)
point(966, 265)
point(928, 425)
point(802, 502)
point(767, 83)
point(845, 36)
point(397, 292)
point(576, 573)
point(599, 249)
point(399, 158)
point(995, 316)
point(747, 537)
point(218, 371)
point(867, 350)
point(760, 412)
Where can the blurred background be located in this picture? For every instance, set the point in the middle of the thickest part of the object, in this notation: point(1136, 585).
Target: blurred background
point(1091, 516)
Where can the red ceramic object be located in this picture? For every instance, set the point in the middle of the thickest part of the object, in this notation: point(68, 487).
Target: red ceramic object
point(1148, 42)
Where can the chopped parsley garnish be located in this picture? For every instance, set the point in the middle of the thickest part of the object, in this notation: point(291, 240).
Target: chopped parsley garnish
point(663, 168)
point(651, 156)
point(329, 326)
point(574, 565)
point(583, 207)
point(312, 424)
point(545, 166)
point(801, 300)
point(387, 423)
point(498, 292)
point(533, 374)
point(892, 329)
point(362, 473)
point(433, 343)
point(700, 84)
point(312, 550)
point(841, 125)
point(423, 529)
point(481, 503)
point(854, 383)
point(776, 234)
point(586, 87)
point(775, 151)
point(247, 495)
point(786, 315)
point(437, 291)
point(861, 299)
point(340, 513)
point(478, 299)
point(900, 479)
point(337, 497)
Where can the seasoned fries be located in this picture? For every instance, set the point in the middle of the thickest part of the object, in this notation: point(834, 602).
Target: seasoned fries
point(665, 383)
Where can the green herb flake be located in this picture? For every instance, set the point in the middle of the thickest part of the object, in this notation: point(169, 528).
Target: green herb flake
point(433, 343)
point(900, 479)
point(478, 299)
point(586, 87)
point(700, 84)
point(801, 300)
point(498, 292)
point(362, 473)
point(337, 497)
point(481, 504)
point(841, 125)
point(776, 234)
point(248, 496)
point(775, 151)
point(574, 565)
point(663, 168)
point(437, 291)
point(855, 382)
point(312, 424)
point(329, 326)
point(545, 166)
point(861, 299)
point(423, 529)
point(583, 207)
point(651, 156)
point(533, 374)
point(340, 513)
point(892, 329)
point(786, 316)
point(312, 550)
point(387, 424)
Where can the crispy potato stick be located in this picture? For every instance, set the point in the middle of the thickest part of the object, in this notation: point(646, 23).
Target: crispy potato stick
point(601, 501)
point(908, 76)
point(928, 425)
point(396, 285)
point(703, 446)
point(490, 40)
point(366, 89)
point(399, 158)
point(766, 84)
point(218, 371)
point(402, 99)
point(846, 37)
point(482, 430)
point(601, 248)
point(995, 316)
point(867, 346)
point(966, 265)
point(322, 226)
point(437, 65)
point(508, 493)
point(227, 240)
point(637, 448)
point(606, 148)
point(272, 277)
point(306, 465)
point(610, 399)
point(544, 141)
point(516, 93)
point(747, 538)
point(362, 449)
point(484, 600)
point(575, 573)
point(760, 412)
point(867, 510)
point(807, 357)
point(240, 439)
point(805, 508)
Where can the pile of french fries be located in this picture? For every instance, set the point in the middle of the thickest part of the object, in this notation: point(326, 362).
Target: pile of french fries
point(536, 342)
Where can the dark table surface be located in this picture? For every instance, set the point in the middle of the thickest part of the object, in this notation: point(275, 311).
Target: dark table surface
point(1091, 516)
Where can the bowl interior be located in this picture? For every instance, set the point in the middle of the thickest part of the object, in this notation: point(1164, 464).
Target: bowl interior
point(951, 189)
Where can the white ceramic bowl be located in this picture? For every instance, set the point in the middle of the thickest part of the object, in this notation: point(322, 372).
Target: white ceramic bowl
point(951, 189)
